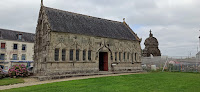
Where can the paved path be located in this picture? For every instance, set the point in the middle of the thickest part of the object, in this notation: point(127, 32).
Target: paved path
point(32, 81)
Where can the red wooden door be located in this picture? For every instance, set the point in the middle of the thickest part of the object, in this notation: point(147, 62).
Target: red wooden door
point(105, 61)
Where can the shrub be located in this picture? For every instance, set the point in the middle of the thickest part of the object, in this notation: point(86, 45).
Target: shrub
point(18, 71)
point(2, 74)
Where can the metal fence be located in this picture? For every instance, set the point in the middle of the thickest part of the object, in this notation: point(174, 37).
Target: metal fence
point(184, 67)
point(172, 64)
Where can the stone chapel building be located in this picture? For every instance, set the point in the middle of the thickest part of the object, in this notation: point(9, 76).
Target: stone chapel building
point(68, 42)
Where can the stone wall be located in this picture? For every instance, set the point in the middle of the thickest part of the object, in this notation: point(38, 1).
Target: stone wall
point(68, 41)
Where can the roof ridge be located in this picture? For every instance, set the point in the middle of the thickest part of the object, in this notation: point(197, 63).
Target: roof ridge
point(1, 29)
point(65, 21)
point(84, 15)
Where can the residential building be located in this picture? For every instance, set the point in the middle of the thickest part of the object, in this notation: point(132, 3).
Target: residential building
point(16, 48)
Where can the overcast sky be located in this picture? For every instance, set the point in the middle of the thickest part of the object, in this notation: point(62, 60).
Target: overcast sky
point(175, 23)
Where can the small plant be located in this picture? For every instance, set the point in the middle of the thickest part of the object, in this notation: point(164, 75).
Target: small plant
point(2, 74)
point(18, 71)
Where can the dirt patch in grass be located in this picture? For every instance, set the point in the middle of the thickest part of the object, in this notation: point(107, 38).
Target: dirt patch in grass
point(10, 81)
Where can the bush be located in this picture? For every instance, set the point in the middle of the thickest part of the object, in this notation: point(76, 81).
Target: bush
point(18, 71)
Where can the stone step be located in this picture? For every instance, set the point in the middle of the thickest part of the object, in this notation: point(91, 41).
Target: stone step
point(43, 78)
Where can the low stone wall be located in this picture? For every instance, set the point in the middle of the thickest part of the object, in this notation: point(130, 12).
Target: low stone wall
point(62, 68)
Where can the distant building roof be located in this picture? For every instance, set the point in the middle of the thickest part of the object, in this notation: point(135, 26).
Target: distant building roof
point(6, 34)
point(198, 53)
point(64, 21)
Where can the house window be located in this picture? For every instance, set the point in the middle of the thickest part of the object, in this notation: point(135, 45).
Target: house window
point(135, 56)
point(56, 57)
point(89, 55)
point(14, 57)
point(2, 57)
point(23, 56)
point(124, 55)
point(23, 46)
point(77, 55)
point(71, 54)
point(84, 55)
point(15, 46)
point(28, 64)
point(19, 36)
point(115, 56)
point(120, 56)
point(3, 45)
point(63, 54)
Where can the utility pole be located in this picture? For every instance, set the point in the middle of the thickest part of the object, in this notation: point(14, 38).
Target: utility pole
point(199, 41)
point(197, 56)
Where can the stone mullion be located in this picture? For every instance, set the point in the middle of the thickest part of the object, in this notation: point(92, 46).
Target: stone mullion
point(86, 56)
point(60, 54)
point(120, 55)
point(80, 55)
point(67, 55)
point(74, 54)
point(91, 56)
point(123, 57)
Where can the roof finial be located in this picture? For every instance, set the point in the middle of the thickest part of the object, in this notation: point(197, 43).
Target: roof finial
point(150, 31)
point(123, 19)
point(41, 2)
point(150, 35)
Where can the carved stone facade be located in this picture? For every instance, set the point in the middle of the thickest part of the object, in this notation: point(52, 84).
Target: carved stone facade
point(65, 52)
point(151, 46)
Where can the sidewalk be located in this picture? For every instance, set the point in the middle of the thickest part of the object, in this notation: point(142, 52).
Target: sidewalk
point(32, 81)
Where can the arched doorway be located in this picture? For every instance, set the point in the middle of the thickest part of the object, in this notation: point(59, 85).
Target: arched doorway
point(103, 55)
point(103, 61)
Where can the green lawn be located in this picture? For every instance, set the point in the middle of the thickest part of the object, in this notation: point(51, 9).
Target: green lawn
point(8, 81)
point(151, 82)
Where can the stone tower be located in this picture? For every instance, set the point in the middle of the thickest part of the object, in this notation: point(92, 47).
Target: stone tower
point(151, 46)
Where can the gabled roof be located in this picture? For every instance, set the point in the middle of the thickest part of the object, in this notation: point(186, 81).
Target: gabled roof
point(64, 21)
point(6, 34)
point(198, 53)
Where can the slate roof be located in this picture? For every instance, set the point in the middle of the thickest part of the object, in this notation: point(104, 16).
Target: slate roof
point(64, 21)
point(6, 34)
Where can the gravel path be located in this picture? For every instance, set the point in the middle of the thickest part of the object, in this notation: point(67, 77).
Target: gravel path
point(32, 81)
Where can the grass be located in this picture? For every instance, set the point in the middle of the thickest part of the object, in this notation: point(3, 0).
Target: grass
point(9, 81)
point(151, 82)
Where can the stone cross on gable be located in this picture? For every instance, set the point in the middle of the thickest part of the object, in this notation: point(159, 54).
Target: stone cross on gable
point(150, 35)
point(41, 2)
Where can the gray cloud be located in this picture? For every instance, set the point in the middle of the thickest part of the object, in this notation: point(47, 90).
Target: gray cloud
point(175, 23)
